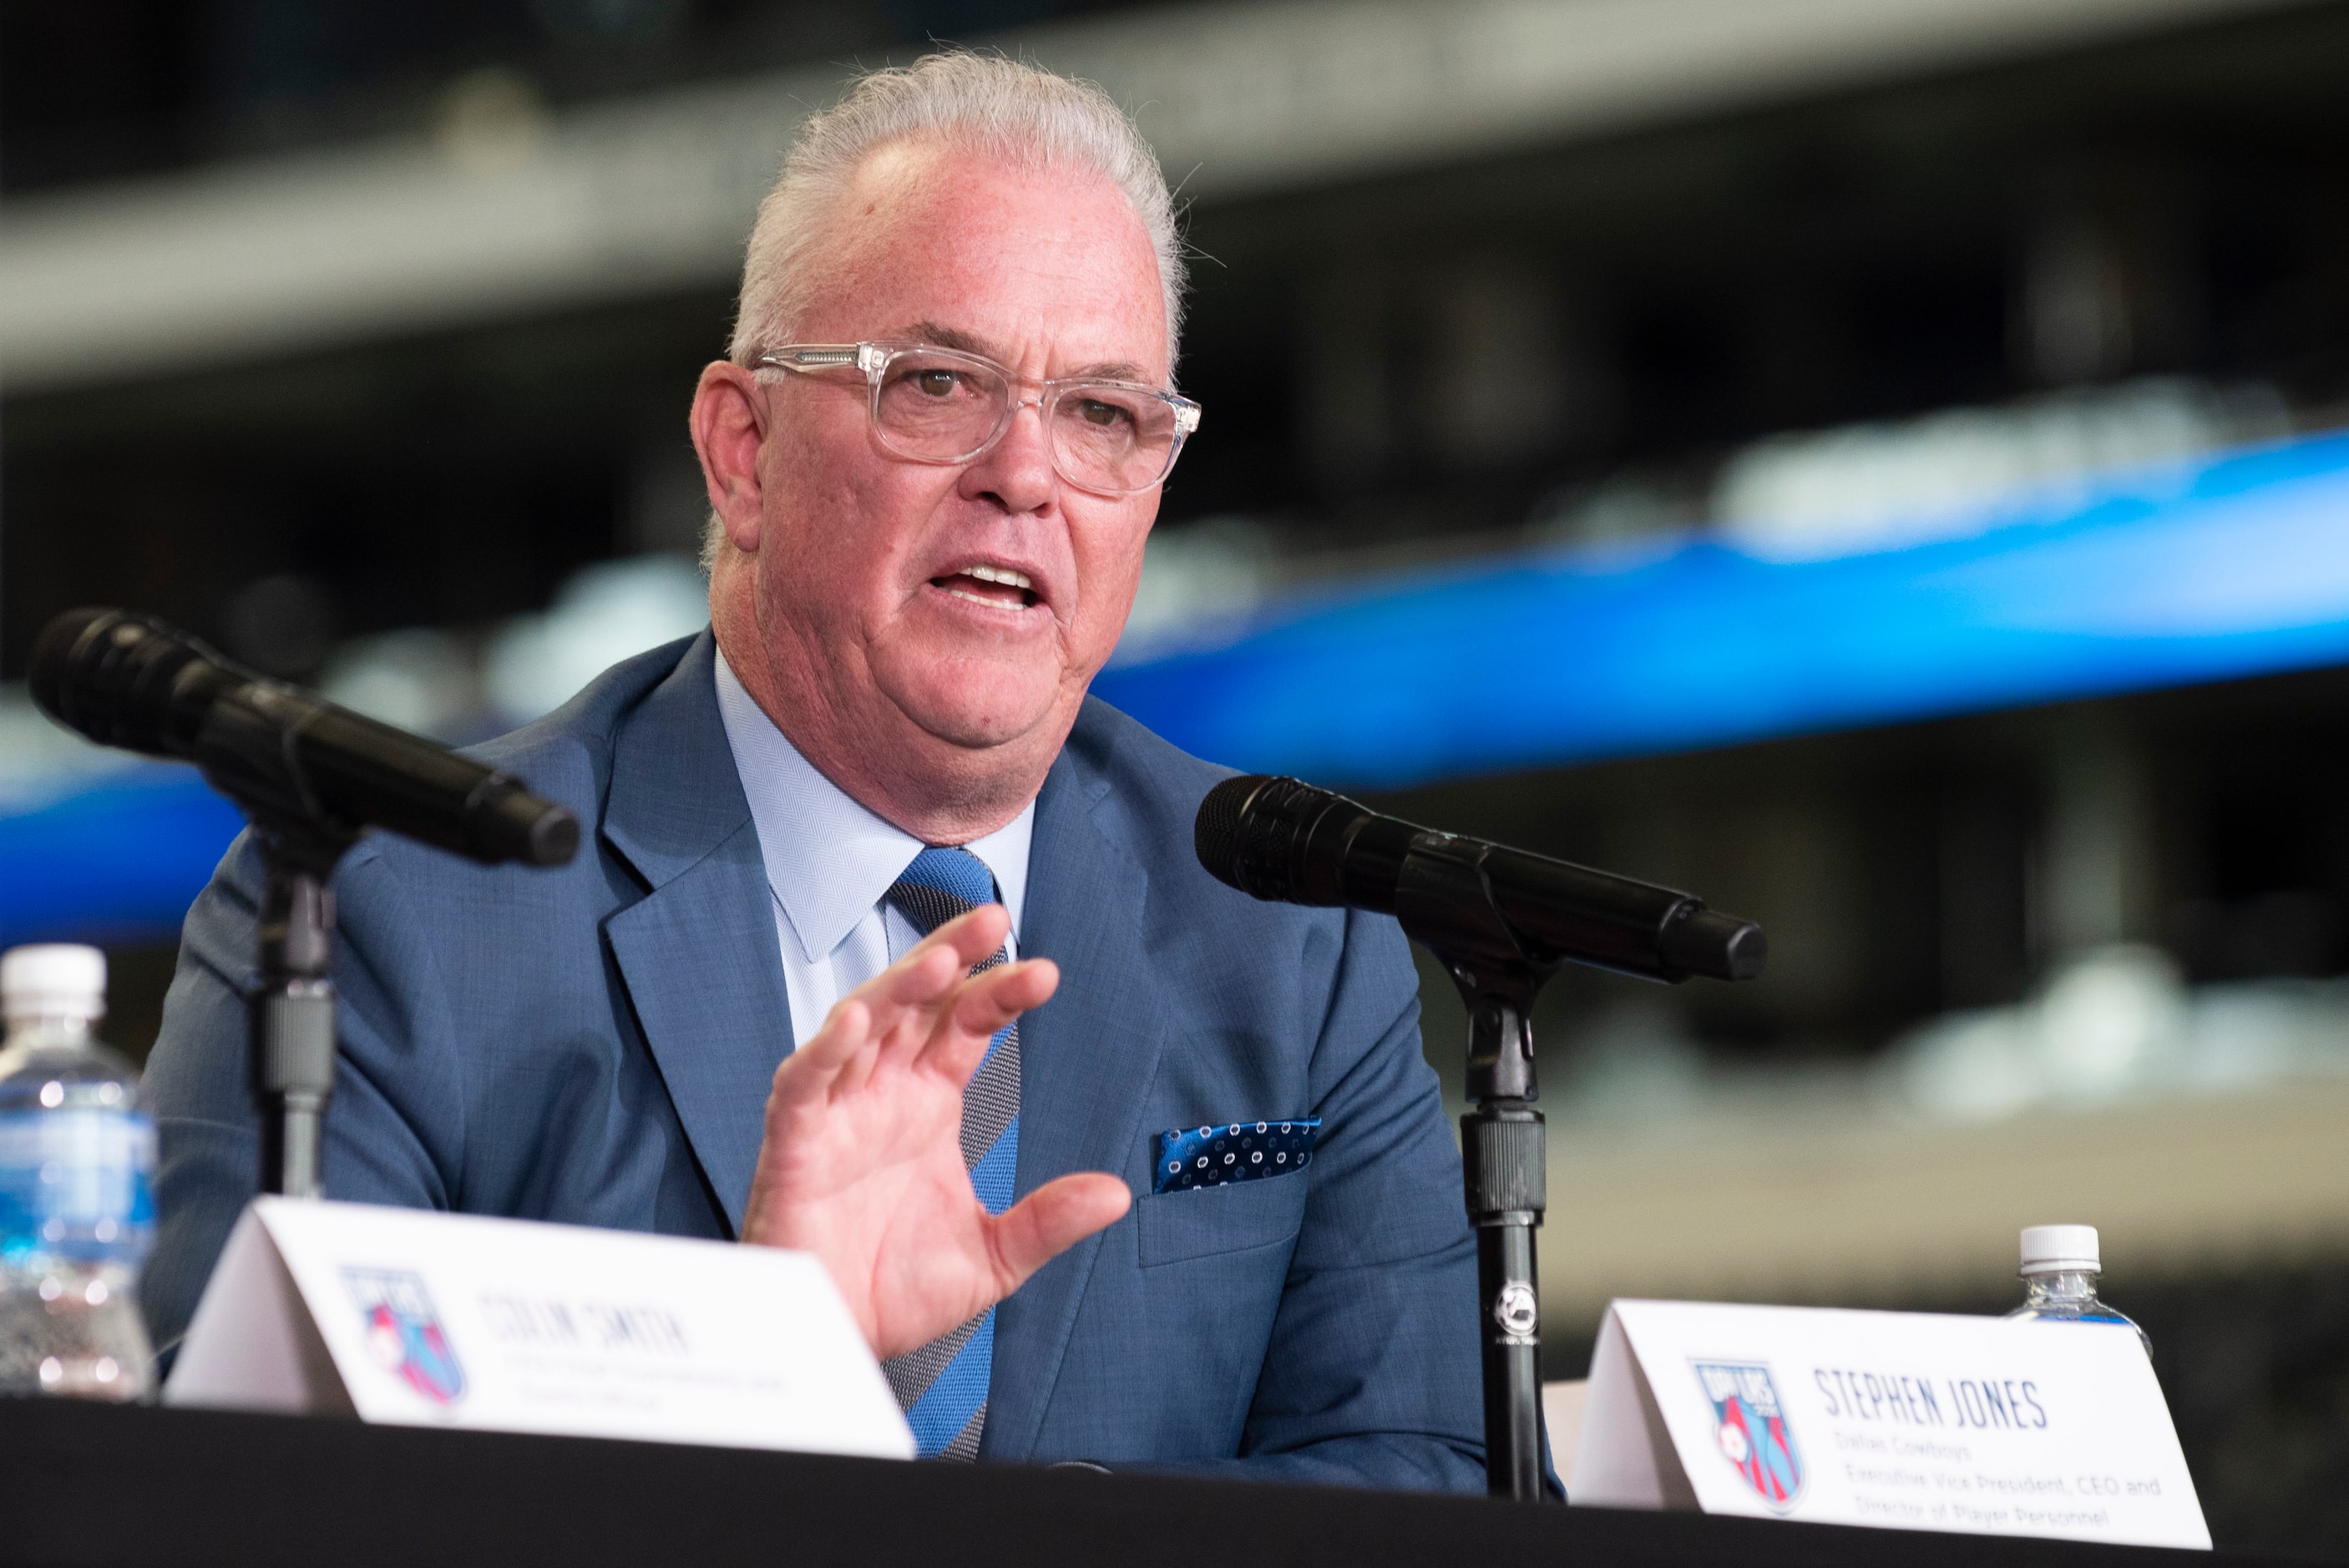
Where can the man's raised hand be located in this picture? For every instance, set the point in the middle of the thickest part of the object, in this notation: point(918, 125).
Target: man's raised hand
point(863, 1159)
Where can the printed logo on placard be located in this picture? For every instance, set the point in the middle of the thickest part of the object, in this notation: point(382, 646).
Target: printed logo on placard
point(404, 1334)
point(1750, 1424)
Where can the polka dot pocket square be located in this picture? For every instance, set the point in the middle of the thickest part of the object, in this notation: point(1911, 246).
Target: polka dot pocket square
point(1216, 1156)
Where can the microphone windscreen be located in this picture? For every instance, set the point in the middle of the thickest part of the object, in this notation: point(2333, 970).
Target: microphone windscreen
point(1217, 832)
point(116, 678)
point(53, 661)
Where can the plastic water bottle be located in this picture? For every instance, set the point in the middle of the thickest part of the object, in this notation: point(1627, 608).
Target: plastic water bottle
point(76, 1166)
point(2060, 1267)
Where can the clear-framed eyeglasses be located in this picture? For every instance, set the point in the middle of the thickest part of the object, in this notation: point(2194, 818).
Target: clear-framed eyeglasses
point(943, 405)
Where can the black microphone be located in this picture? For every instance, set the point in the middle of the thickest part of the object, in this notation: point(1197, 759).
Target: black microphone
point(295, 761)
point(1288, 843)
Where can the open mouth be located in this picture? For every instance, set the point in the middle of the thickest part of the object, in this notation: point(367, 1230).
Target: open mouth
point(997, 587)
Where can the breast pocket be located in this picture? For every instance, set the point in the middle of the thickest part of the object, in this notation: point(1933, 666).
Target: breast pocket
point(1174, 1227)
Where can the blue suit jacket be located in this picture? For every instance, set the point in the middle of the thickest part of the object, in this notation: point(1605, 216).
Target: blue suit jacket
point(592, 1045)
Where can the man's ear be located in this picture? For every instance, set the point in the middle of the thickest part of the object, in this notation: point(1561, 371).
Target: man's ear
point(728, 426)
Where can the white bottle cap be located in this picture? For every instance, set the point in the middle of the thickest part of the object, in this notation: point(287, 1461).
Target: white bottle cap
point(2059, 1249)
point(53, 980)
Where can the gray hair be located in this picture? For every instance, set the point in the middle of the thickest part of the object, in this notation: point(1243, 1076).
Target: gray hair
point(1003, 108)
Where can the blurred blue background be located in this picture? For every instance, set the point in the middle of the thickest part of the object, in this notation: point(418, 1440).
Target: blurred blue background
point(2188, 574)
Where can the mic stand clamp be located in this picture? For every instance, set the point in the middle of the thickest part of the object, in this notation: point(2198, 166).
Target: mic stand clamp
point(293, 1011)
point(1446, 903)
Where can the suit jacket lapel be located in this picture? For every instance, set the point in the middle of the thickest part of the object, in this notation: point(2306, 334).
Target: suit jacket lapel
point(1086, 1058)
point(699, 957)
point(697, 953)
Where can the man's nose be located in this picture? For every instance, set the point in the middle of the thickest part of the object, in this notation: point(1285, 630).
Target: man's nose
point(1017, 471)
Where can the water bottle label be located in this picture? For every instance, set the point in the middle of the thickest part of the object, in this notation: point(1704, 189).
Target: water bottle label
point(77, 1182)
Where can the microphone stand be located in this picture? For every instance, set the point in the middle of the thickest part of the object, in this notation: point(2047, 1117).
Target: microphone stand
point(1282, 839)
point(1446, 903)
point(292, 1013)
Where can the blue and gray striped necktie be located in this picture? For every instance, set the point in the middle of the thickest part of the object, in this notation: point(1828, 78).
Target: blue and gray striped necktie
point(942, 1387)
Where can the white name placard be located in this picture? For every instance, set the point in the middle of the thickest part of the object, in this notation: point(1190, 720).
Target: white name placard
point(414, 1318)
point(1906, 1420)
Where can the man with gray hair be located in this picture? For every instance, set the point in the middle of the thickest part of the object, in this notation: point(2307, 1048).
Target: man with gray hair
point(1198, 1212)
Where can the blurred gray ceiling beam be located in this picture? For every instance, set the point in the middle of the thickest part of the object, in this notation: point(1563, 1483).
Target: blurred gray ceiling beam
point(505, 215)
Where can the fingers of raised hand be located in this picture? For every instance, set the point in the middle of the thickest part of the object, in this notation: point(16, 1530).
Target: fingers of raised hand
point(896, 1004)
point(927, 972)
point(983, 1005)
point(975, 935)
point(809, 1073)
point(1049, 1221)
point(995, 997)
point(902, 1000)
point(894, 1016)
point(922, 978)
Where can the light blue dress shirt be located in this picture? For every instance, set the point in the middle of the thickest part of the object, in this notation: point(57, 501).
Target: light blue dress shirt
point(830, 862)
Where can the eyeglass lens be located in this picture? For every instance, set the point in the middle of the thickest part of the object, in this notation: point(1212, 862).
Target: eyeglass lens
point(942, 408)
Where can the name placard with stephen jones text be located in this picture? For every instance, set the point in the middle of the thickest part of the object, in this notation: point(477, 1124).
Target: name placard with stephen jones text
point(1908, 1421)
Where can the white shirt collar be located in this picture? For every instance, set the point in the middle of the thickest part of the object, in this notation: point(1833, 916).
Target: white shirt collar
point(828, 859)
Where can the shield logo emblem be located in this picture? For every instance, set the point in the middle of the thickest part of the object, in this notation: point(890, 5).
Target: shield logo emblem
point(1750, 1426)
point(404, 1333)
